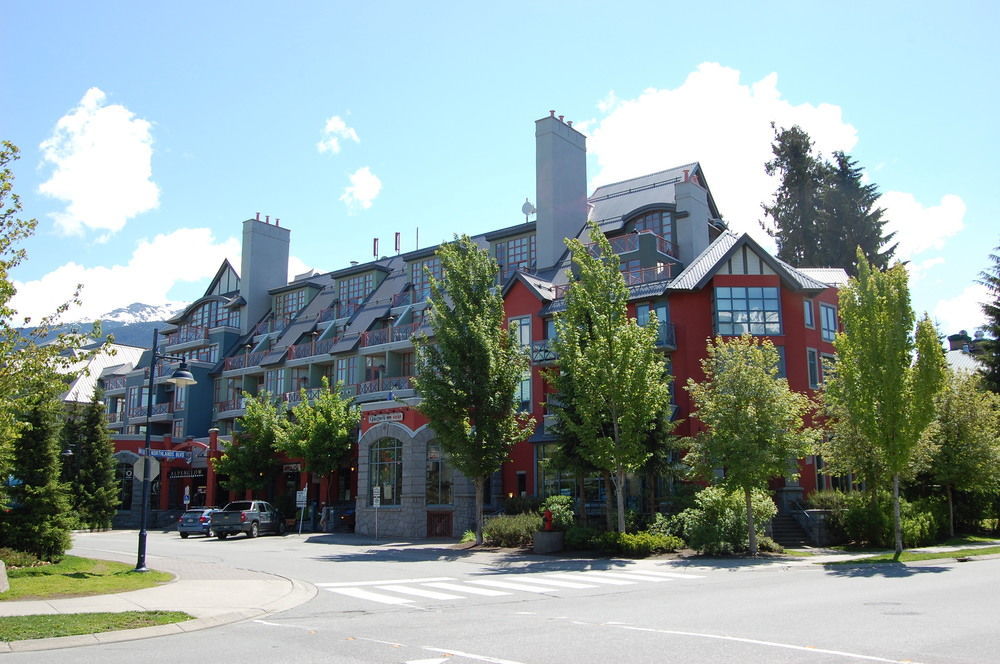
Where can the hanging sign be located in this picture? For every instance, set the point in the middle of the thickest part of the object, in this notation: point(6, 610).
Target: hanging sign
point(385, 417)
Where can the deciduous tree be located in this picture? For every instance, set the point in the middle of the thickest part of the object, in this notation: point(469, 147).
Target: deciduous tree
point(754, 424)
point(886, 376)
point(608, 364)
point(468, 371)
point(248, 462)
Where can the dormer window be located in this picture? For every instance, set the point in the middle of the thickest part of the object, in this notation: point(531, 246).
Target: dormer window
point(516, 254)
point(420, 275)
point(286, 305)
point(355, 289)
point(657, 221)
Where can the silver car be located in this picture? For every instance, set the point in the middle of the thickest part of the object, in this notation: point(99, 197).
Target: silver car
point(196, 521)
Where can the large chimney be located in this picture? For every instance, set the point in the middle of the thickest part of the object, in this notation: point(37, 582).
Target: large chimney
point(560, 186)
point(264, 265)
point(692, 229)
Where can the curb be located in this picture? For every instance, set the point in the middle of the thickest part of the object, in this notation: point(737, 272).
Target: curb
point(299, 593)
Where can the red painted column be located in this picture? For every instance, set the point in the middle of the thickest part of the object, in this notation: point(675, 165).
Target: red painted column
point(213, 452)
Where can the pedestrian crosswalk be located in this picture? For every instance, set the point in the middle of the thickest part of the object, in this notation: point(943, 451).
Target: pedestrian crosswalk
point(409, 591)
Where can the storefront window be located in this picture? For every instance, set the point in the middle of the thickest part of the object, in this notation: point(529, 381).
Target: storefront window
point(385, 470)
point(439, 476)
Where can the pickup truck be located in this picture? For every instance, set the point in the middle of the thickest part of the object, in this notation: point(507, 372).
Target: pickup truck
point(252, 517)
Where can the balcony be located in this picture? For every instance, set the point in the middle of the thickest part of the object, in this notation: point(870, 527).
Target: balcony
point(389, 335)
point(542, 352)
point(186, 334)
point(115, 419)
point(296, 397)
point(243, 361)
point(116, 383)
point(667, 338)
point(236, 404)
point(271, 325)
point(159, 409)
point(385, 385)
point(311, 348)
point(623, 244)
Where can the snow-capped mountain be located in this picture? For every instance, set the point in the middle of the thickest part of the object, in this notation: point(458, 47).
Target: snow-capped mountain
point(138, 312)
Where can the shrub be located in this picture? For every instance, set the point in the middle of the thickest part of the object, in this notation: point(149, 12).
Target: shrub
point(635, 521)
point(562, 511)
point(768, 545)
point(827, 500)
point(511, 530)
point(923, 521)
point(521, 504)
point(717, 523)
point(13, 559)
point(468, 536)
point(667, 525)
point(579, 538)
point(636, 545)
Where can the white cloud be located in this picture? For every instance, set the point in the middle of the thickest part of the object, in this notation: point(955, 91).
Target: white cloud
point(102, 158)
point(918, 228)
point(364, 188)
point(963, 311)
point(187, 254)
point(335, 131)
point(713, 118)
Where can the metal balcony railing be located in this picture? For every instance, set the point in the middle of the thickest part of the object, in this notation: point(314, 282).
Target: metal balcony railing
point(243, 360)
point(116, 383)
point(542, 352)
point(389, 334)
point(311, 348)
point(385, 384)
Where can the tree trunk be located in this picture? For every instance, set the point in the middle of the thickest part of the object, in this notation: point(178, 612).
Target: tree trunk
point(581, 501)
point(751, 528)
point(896, 521)
point(609, 521)
point(951, 514)
point(478, 483)
point(620, 498)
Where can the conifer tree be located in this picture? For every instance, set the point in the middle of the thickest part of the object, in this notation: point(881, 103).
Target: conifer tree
point(93, 488)
point(990, 358)
point(38, 521)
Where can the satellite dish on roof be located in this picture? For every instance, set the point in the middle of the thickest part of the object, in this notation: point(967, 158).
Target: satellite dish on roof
point(527, 209)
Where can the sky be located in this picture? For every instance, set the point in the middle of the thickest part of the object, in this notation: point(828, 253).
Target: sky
point(150, 131)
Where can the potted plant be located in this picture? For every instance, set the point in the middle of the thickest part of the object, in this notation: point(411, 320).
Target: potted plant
point(557, 516)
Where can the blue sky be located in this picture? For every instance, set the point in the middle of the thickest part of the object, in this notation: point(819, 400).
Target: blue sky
point(150, 131)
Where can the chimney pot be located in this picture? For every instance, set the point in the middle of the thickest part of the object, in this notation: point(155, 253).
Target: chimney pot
point(267, 219)
point(552, 114)
point(561, 118)
point(569, 122)
point(686, 171)
point(277, 222)
point(258, 216)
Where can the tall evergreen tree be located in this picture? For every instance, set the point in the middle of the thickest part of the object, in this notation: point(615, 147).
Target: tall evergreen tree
point(38, 521)
point(93, 487)
point(849, 218)
point(618, 380)
point(990, 358)
point(468, 372)
point(823, 212)
point(794, 214)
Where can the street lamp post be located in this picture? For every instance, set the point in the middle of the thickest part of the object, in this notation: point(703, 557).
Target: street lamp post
point(182, 377)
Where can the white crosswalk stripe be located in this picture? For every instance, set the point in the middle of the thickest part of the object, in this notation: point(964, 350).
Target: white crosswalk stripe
point(389, 591)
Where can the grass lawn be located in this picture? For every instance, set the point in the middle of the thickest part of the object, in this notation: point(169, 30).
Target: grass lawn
point(77, 577)
point(18, 628)
point(911, 556)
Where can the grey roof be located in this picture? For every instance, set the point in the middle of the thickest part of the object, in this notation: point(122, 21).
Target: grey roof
point(835, 277)
point(960, 360)
point(701, 269)
point(542, 288)
point(118, 358)
point(611, 203)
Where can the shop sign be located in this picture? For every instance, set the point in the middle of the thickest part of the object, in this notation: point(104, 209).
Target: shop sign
point(385, 417)
point(291, 468)
point(196, 472)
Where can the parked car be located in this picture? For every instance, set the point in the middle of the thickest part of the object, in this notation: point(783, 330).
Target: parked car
point(252, 517)
point(196, 521)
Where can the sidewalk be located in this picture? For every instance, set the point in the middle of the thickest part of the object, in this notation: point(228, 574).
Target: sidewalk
point(213, 594)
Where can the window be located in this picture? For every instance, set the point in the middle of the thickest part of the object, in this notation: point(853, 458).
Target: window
point(177, 432)
point(420, 275)
point(439, 476)
point(659, 222)
point(812, 360)
point(406, 361)
point(828, 321)
point(514, 255)
point(385, 470)
point(782, 371)
point(286, 305)
point(662, 316)
point(741, 310)
point(521, 329)
point(273, 382)
point(522, 393)
point(345, 370)
point(352, 291)
point(810, 320)
point(180, 397)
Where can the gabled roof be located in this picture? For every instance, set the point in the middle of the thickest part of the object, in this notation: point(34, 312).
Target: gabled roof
point(835, 277)
point(696, 275)
point(542, 289)
point(225, 268)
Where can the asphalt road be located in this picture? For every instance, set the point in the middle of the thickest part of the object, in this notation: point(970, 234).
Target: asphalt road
point(395, 603)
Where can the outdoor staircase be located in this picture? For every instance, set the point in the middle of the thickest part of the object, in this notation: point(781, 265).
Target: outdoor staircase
point(787, 532)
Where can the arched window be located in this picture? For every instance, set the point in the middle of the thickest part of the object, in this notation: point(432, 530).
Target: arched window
point(439, 476)
point(385, 470)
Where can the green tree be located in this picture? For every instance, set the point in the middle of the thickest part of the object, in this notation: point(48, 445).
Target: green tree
point(754, 424)
point(248, 463)
point(849, 218)
point(822, 212)
point(885, 394)
point(965, 439)
point(321, 430)
point(468, 372)
point(38, 520)
point(794, 214)
point(991, 344)
point(93, 488)
point(27, 362)
point(608, 364)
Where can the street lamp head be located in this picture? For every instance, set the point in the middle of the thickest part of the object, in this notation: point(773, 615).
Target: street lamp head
point(182, 377)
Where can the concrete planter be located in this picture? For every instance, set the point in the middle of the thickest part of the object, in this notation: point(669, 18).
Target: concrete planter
point(548, 541)
point(4, 584)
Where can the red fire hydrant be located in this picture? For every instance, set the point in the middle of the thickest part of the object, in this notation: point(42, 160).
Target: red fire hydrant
point(547, 520)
